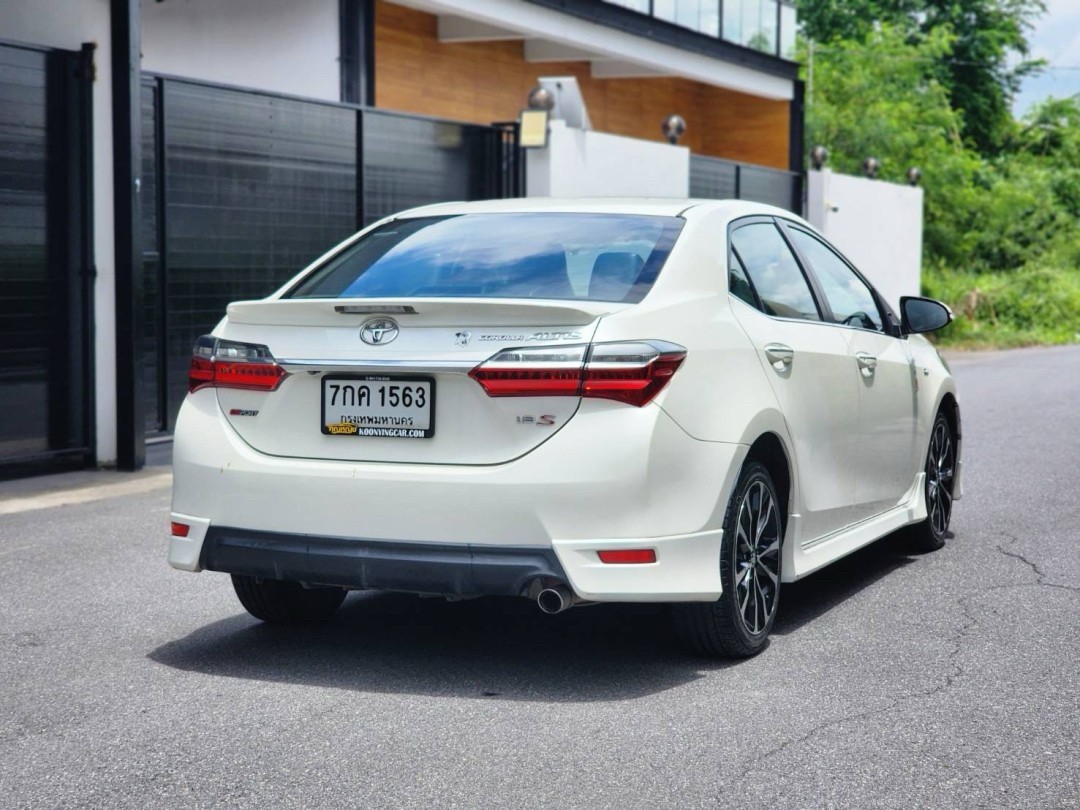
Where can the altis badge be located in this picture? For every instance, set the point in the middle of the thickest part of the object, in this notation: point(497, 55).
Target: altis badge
point(522, 338)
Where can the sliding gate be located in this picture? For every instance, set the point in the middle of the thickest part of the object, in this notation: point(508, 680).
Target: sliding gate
point(46, 411)
point(242, 189)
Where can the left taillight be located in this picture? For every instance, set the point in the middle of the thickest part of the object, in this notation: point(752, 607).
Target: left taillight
point(633, 372)
point(218, 363)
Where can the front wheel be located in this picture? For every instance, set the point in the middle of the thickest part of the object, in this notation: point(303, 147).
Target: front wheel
point(738, 623)
point(940, 472)
point(278, 602)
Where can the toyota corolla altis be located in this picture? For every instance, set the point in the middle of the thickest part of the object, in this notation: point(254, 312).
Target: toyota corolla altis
point(686, 402)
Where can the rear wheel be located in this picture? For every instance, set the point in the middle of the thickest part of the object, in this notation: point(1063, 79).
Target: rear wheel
point(940, 472)
point(738, 623)
point(278, 602)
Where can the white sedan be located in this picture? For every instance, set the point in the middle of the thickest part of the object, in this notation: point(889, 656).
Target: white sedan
point(684, 402)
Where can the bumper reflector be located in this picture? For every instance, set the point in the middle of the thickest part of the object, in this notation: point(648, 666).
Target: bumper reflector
point(180, 529)
point(628, 556)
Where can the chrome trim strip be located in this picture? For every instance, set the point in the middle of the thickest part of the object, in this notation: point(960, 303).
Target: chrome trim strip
point(411, 366)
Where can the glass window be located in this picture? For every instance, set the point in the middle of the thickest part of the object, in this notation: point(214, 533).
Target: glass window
point(738, 283)
point(595, 257)
point(751, 23)
point(774, 271)
point(849, 298)
point(699, 15)
point(789, 24)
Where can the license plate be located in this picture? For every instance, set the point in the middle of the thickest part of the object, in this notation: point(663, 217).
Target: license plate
point(390, 407)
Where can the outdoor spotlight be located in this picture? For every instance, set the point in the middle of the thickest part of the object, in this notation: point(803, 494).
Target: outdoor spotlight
point(673, 127)
point(870, 167)
point(914, 175)
point(540, 98)
point(819, 156)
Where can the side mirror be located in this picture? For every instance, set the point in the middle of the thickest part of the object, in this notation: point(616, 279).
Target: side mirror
point(922, 315)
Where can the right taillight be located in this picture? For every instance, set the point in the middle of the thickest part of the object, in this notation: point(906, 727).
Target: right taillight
point(631, 372)
point(218, 363)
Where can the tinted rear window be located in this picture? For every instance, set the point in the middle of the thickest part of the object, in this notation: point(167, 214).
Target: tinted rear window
point(593, 257)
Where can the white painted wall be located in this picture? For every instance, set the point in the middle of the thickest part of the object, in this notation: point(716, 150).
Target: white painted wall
point(877, 225)
point(64, 24)
point(584, 163)
point(284, 46)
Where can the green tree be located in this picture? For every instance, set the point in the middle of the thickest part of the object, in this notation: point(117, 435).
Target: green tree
point(882, 97)
point(975, 72)
point(980, 80)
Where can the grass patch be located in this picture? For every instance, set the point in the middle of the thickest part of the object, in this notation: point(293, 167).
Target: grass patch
point(1037, 305)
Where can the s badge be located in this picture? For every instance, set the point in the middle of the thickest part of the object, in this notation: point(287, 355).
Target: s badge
point(546, 420)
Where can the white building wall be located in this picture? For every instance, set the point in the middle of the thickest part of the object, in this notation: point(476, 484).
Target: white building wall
point(583, 163)
point(877, 225)
point(283, 46)
point(67, 25)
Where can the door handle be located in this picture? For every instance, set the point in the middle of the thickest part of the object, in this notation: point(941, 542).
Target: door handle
point(780, 355)
point(867, 363)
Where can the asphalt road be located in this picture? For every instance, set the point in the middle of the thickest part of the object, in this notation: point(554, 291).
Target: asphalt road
point(945, 680)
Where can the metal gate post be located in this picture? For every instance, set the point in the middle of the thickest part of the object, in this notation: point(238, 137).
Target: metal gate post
point(127, 167)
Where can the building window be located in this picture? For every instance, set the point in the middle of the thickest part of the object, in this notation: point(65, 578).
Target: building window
point(768, 26)
point(697, 15)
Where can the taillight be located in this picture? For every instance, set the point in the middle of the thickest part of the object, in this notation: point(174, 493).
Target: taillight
point(630, 372)
point(633, 373)
point(550, 371)
point(218, 363)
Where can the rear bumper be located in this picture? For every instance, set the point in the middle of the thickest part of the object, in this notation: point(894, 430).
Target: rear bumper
point(615, 477)
point(686, 568)
point(437, 568)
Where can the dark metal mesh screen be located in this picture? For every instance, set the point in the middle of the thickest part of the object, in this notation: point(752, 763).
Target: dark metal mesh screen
point(712, 179)
point(716, 179)
point(416, 161)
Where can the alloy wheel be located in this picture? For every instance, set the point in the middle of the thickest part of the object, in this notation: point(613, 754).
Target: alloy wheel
point(939, 478)
point(757, 558)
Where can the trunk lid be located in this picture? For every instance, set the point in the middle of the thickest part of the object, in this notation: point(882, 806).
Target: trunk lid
point(435, 345)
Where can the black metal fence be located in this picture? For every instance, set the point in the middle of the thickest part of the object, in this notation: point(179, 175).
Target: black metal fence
point(714, 178)
point(243, 189)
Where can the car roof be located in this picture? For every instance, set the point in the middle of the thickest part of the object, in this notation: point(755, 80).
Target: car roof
point(657, 206)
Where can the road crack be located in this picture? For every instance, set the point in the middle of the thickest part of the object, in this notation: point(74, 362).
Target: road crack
point(1039, 573)
point(956, 671)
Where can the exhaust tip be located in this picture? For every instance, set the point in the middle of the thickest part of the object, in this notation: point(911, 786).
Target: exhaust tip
point(554, 600)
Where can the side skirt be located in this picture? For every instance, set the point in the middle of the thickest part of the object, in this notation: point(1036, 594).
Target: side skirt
point(809, 558)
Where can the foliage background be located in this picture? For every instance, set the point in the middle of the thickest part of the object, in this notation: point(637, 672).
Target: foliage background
point(929, 83)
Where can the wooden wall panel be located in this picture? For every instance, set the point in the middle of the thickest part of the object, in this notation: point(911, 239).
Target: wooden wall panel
point(484, 82)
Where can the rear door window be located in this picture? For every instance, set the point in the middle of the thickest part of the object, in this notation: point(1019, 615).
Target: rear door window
point(775, 273)
point(594, 257)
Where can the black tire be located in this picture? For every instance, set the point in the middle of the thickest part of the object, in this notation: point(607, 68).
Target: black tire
point(929, 535)
point(278, 602)
point(737, 625)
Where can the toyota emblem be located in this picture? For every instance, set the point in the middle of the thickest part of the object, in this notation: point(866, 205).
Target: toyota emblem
point(378, 331)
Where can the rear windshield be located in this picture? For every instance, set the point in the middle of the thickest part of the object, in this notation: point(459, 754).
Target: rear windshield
point(589, 257)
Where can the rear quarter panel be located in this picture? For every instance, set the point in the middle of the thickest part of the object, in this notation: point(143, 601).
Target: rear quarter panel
point(720, 393)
